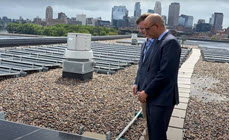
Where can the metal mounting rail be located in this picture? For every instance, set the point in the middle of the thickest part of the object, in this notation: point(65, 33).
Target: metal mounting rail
point(21, 66)
point(121, 59)
point(104, 71)
point(6, 71)
point(113, 61)
point(42, 51)
point(108, 66)
point(131, 56)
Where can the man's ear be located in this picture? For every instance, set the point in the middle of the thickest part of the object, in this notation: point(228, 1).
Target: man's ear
point(158, 25)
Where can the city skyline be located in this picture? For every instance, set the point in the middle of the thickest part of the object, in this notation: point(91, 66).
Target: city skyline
point(30, 8)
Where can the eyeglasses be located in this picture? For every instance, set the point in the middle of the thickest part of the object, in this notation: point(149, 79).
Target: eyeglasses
point(141, 29)
point(146, 29)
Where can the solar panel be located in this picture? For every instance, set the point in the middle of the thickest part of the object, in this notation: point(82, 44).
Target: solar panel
point(17, 131)
point(108, 58)
point(215, 55)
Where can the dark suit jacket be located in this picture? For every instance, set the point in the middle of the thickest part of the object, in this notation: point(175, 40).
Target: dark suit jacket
point(139, 66)
point(157, 75)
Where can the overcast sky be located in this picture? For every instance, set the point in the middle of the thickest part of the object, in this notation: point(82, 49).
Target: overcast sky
point(199, 9)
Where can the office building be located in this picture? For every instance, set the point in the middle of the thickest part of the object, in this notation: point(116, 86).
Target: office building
point(49, 13)
point(92, 21)
point(203, 27)
point(157, 8)
point(218, 21)
point(6, 20)
point(104, 23)
point(164, 18)
point(185, 21)
point(137, 10)
point(119, 16)
point(49, 18)
point(62, 16)
point(173, 14)
point(211, 19)
point(73, 21)
point(201, 21)
point(82, 18)
point(150, 11)
point(37, 20)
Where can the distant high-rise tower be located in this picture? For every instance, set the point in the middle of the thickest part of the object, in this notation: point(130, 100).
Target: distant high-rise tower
point(119, 16)
point(164, 18)
point(49, 13)
point(218, 21)
point(201, 21)
point(186, 21)
point(211, 19)
point(157, 8)
point(151, 11)
point(82, 18)
point(173, 14)
point(62, 16)
point(137, 10)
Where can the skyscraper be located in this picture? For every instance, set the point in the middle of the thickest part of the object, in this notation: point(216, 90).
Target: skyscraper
point(164, 18)
point(151, 11)
point(211, 19)
point(49, 18)
point(61, 15)
point(137, 10)
point(82, 18)
point(119, 16)
point(49, 13)
point(186, 21)
point(201, 21)
point(157, 7)
point(173, 14)
point(203, 27)
point(218, 21)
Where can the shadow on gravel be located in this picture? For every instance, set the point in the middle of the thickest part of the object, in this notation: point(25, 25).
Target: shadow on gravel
point(70, 82)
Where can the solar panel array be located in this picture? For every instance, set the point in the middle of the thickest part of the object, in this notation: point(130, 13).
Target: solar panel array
point(17, 131)
point(108, 57)
point(215, 55)
point(184, 55)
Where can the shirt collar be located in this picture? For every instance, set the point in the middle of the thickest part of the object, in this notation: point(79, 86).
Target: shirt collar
point(151, 40)
point(165, 32)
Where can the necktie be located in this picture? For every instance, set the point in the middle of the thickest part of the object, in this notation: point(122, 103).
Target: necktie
point(148, 44)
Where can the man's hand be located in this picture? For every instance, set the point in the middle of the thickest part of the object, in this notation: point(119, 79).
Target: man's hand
point(135, 90)
point(142, 96)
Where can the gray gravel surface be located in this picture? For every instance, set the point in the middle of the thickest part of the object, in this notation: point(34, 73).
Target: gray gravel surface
point(45, 99)
point(106, 103)
point(207, 114)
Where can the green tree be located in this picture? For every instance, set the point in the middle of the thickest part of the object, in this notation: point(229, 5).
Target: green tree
point(58, 29)
point(102, 33)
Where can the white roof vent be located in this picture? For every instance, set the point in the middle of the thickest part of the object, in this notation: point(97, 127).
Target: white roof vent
point(78, 63)
point(134, 39)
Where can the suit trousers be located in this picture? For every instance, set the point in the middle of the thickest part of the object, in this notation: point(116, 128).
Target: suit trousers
point(145, 132)
point(158, 118)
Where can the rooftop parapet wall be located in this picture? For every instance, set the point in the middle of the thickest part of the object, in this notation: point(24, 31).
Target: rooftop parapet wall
point(6, 42)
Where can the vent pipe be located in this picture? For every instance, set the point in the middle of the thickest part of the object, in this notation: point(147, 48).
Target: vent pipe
point(134, 39)
point(78, 63)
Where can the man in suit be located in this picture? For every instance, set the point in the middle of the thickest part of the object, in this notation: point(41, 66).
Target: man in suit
point(144, 48)
point(157, 82)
